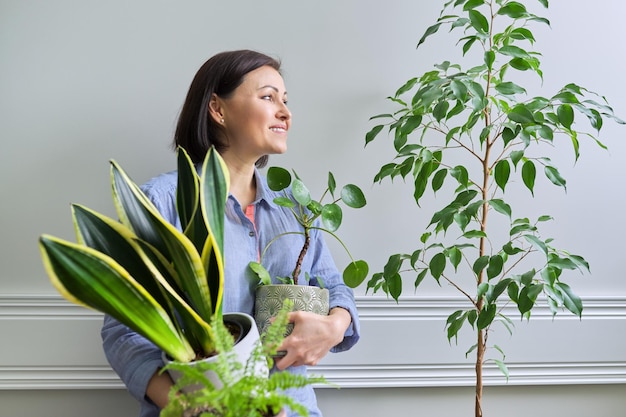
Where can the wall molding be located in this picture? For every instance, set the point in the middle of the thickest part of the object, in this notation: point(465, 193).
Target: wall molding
point(26, 311)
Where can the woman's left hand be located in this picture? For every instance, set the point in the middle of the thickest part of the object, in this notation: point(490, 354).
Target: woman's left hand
point(312, 337)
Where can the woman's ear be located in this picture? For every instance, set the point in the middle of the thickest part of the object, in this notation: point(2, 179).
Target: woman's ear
point(216, 110)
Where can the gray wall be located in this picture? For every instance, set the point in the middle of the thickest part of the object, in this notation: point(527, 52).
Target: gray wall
point(85, 81)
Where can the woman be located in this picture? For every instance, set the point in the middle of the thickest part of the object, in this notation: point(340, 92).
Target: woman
point(237, 102)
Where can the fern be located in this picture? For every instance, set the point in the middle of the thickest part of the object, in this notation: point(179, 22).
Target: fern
point(245, 393)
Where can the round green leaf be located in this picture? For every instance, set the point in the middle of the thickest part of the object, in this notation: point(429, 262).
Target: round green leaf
point(278, 178)
point(315, 207)
point(331, 216)
point(355, 273)
point(300, 192)
point(353, 196)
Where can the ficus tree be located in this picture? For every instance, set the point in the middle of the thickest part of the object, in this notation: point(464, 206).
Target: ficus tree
point(467, 134)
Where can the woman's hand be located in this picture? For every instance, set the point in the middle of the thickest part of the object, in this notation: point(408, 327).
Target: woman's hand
point(313, 336)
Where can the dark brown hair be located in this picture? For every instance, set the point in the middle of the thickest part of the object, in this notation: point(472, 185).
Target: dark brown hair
point(196, 131)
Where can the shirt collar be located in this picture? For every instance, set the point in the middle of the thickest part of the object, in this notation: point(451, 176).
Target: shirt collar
point(264, 195)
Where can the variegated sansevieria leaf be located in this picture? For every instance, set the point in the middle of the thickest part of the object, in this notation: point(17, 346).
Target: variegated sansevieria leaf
point(188, 201)
point(117, 241)
point(85, 276)
point(214, 185)
point(148, 267)
point(139, 214)
point(199, 333)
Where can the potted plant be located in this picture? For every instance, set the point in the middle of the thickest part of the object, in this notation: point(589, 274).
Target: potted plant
point(466, 133)
point(312, 215)
point(165, 284)
point(242, 391)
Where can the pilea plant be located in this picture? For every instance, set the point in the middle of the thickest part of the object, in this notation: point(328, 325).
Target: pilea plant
point(485, 121)
point(307, 212)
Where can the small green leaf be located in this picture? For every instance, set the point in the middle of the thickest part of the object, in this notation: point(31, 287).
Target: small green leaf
point(420, 277)
point(261, 272)
point(431, 30)
point(495, 266)
point(480, 264)
point(353, 196)
point(529, 172)
point(332, 216)
point(371, 135)
point(516, 156)
point(460, 173)
point(437, 265)
point(455, 256)
point(509, 88)
point(571, 301)
point(332, 184)
point(459, 90)
point(355, 273)
point(502, 366)
point(502, 172)
point(479, 21)
point(440, 110)
point(520, 64)
point(521, 114)
point(501, 207)
point(284, 202)
point(513, 9)
point(554, 176)
point(300, 193)
point(455, 322)
point(486, 316)
point(473, 234)
point(537, 243)
point(278, 178)
point(489, 59)
point(394, 286)
point(438, 179)
point(566, 115)
point(393, 265)
point(514, 51)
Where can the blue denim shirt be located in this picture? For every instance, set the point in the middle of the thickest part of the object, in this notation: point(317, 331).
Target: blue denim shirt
point(135, 359)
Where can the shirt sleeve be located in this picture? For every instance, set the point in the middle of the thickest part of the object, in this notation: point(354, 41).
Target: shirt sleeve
point(132, 357)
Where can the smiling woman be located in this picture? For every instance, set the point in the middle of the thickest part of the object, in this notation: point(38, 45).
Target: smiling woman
point(237, 103)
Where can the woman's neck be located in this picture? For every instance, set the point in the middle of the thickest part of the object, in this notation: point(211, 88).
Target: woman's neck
point(242, 182)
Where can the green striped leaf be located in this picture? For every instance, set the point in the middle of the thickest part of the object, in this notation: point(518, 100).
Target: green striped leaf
point(85, 276)
point(138, 213)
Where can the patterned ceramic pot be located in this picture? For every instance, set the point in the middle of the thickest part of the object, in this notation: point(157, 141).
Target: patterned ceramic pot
point(270, 298)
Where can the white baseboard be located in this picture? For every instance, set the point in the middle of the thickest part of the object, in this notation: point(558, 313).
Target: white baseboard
point(48, 343)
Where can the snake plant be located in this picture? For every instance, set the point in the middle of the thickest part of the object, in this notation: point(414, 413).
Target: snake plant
point(165, 284)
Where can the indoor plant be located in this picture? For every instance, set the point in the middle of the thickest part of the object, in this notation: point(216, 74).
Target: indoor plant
point(246, 393)
point(466, 133)
point(165, 284)
point(311, 214)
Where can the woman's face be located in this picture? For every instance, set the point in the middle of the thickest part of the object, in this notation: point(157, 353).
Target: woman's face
point(256, 117)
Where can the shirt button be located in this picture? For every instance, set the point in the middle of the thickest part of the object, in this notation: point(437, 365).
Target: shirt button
point(251, 234)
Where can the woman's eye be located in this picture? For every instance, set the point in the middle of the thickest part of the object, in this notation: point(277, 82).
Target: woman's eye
point(267, 97)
